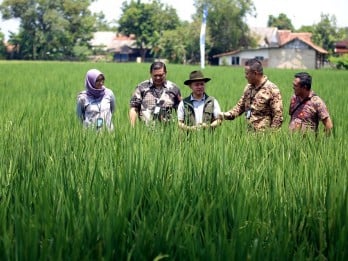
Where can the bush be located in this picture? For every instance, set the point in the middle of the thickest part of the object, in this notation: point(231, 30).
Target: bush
point(340, 62)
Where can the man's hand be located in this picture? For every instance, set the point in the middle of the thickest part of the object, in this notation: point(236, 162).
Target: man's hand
point(226, 116)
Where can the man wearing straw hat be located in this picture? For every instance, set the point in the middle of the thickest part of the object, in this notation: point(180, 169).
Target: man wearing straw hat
point(198, 110)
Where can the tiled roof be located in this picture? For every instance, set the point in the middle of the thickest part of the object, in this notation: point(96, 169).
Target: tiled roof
point(286, 36)
point(113, 42)
point(271, 37)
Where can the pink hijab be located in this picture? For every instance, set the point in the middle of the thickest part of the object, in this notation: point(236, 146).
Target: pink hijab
point(90, 80)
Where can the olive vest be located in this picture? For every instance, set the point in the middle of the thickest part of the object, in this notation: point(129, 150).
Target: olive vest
point(208, 111)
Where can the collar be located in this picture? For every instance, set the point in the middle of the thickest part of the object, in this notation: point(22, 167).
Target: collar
point(310, 95)
point(153, 86)
point(264, 80)
point(194, 99)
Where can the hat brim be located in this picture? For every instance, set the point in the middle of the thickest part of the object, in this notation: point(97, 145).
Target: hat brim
point(188, 82)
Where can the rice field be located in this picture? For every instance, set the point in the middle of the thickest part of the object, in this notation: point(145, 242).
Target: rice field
point(156, 194)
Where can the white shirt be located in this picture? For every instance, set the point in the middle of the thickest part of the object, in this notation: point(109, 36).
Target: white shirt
point(198, 107)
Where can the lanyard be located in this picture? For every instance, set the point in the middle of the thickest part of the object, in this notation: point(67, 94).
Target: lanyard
point(252, 97)
point(298, 105)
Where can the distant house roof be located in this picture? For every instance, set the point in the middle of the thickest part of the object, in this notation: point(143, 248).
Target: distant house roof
point(122, 44)
point(102, 39)
point(286, 36)
point(271, 37)
point(113, 42)
point(341, 47)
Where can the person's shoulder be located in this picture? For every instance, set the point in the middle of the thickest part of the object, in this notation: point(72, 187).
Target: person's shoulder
point(144, 85)
point(210, 98)
point(316, 98)
point(270, 84)
point(108, 91)
point(272, 87)
point(82, 94)
point(171, 85)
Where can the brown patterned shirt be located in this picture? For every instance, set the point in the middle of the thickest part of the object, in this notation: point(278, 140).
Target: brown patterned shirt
point(306, 114)
point(262, 105)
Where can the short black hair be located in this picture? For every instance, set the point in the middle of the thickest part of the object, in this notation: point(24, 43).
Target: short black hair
point(305, 79)
point(157, 66)
point(255, 65)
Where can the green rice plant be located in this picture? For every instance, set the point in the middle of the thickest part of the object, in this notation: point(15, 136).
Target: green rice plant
point(142, 193)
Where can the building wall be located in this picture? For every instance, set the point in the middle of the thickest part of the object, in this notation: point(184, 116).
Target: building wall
point(292, 58)
point(243, 56)
point(294, 55)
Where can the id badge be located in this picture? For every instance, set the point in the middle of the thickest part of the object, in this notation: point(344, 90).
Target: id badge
point(157, 110)
point(248, 114)
point(99, 123)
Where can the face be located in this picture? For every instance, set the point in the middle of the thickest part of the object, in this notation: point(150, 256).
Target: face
point(296, 86)
point(250, 75)
point(99, 82)
point(158, 77)
point(198, 88)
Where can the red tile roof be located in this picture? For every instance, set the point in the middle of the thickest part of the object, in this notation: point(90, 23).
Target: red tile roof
point(286, 36)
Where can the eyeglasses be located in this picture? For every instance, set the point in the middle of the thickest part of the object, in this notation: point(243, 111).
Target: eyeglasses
point(159, 75)
point(100, 80)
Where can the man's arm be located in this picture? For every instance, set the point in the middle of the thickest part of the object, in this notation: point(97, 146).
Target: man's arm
point(238, 109)
point(328, 125)
point(277, 110)
point(133, 115)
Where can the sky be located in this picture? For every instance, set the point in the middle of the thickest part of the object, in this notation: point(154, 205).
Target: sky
point(300, 12)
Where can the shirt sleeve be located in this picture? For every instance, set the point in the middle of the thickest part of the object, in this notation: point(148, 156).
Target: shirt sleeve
point(277, 109)
point(322, 110)
point(136, 99)
point(112, 102)
point(181, 111)
point(239, 108)
point(80, 109)
point(217, 109)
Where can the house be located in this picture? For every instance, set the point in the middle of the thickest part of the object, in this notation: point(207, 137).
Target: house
point(101, 40)
point(122, 47)
point(341, 47)
point(278, 49)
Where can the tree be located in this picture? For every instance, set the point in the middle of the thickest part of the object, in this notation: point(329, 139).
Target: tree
point(326, 33)
point(306, 28)
point(51, 29)
point(102, 24)
point(181, 45)
point(225, 23)
point(2, 46)
point(282, 22)
point(147, 22)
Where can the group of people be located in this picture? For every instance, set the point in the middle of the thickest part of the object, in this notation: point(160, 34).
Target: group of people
point(155, 99)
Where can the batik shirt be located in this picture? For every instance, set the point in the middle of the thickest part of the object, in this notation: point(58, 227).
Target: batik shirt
point(305, 115)
point(262, 105)
point(90, 109)
point(147, 97)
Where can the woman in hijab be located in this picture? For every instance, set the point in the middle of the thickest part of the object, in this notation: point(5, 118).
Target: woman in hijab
point(96, 104)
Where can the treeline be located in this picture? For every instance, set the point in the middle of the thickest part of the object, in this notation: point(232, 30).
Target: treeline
point(62, 30)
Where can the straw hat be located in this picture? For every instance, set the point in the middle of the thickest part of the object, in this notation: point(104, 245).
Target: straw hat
point(196, 76)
